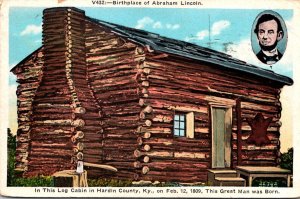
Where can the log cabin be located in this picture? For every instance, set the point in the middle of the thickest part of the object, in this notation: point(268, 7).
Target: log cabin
point(153, 107)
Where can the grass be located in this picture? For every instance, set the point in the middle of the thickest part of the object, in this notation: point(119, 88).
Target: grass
point(109, 183)
point(41, 181)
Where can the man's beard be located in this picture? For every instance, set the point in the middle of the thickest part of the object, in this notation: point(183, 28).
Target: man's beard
point(268, 48)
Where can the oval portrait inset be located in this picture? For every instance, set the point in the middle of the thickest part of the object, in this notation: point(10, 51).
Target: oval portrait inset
point(269, 37)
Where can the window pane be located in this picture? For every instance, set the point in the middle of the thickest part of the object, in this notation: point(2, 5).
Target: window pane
point(182, 126)
point(179, 125)
point(182, 117)
point(176, 132)
point(181, 132)
point(176, 124)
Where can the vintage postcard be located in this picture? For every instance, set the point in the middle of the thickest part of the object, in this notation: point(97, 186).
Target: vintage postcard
point(150, 98)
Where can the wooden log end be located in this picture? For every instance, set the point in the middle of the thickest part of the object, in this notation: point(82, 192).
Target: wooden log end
point(145, 83)
point(139, 50)
point(139, 141)
point(137, 153)
point(147, 135)
point(142, 115)
point(79, 135)
point(148, 123)
point(146, 70)
point(40, 54)
point(148, 109)
point(141, 62)
point(75, 150)
point(140, 129)
point(146, 159)
point(145, 170)
point(141, 102)
point(73, 139)
point(145, 91)
point(80, 146)
point(73, 116)
point(147, 147)
point(120, 42)
point(137, 164)
point(78, 123)
point(80, 110)
point(79, 156)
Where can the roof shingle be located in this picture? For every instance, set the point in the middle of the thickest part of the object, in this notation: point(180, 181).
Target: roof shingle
point(192, 51)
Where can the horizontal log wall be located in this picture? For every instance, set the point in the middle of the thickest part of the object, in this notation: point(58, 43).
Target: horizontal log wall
point(65, 120)
point(52, 109)
point(173, 83)
point(111, 63)
point(28, 76)
point(86, 138)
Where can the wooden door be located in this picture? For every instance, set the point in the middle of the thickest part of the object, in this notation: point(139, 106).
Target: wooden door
point(221, 137)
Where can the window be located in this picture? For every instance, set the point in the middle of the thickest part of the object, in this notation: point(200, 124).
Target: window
point(179, 125)
point(184, 125)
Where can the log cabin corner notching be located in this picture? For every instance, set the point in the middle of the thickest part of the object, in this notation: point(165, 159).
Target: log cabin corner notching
point(153, 107)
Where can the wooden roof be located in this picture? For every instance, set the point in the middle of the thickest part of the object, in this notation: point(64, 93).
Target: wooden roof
point(187, 50)
point(192, 51)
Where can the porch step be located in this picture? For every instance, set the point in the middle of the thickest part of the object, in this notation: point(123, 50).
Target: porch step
point(224, 177)
point(230, 181)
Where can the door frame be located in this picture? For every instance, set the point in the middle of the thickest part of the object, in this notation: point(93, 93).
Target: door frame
point(227, 120)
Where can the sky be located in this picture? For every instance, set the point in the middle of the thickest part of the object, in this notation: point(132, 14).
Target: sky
point(228, 31)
